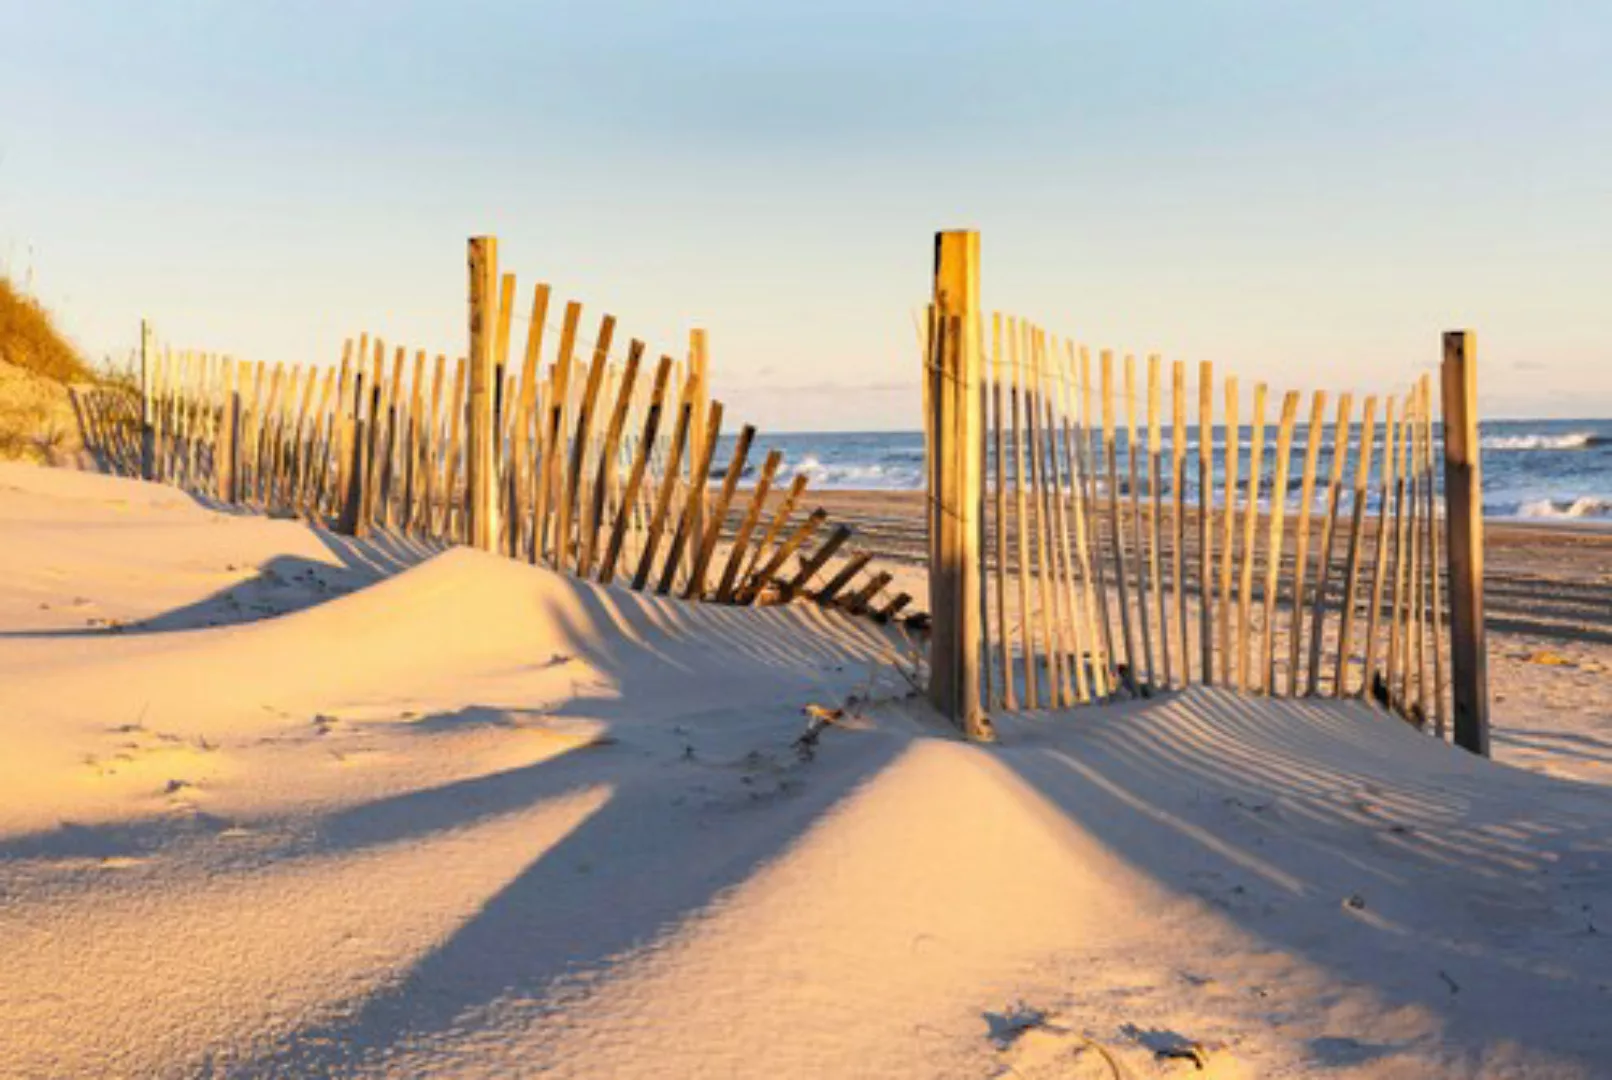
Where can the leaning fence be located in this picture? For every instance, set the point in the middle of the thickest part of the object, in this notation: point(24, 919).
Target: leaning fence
point(585, 456)
point(1104, 530)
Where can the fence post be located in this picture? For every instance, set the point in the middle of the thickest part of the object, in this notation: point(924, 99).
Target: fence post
point(147, 435)
point(953, 373)
point(1463, 502)
point(481, 494)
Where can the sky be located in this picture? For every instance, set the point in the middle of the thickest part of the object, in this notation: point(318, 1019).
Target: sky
point(1307, 194)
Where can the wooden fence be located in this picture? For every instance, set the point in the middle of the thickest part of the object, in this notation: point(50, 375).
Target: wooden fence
point(577, 454)
point(1089, 541)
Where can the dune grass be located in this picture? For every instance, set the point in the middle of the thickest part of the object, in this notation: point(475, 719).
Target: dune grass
point(29, 339)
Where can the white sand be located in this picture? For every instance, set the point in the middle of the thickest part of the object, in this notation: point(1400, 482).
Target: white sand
point(317, 808)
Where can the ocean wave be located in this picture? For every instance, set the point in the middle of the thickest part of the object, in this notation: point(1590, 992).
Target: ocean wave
point(1578, 440)
point(1585, 506)
point(859, 476)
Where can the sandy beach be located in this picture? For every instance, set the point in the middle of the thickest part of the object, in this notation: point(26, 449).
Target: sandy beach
point(280, 803)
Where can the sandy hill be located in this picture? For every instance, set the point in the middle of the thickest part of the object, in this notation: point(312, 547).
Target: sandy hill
point(37, 365)
point(280, 804)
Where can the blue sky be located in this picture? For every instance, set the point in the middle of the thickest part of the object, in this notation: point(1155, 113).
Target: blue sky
point(1303, 193)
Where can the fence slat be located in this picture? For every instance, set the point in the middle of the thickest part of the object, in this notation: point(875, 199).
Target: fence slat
point(635, 477)
point(1178, 520)
point(815, 562)
point(1273, 546)
point(1357, 522)
point(1075, 447)
point(1079, 633)
point(1228, 532)
point(1397, 599)
point(1008, 696)
point(551, 451)
point(1245, 590)
point(694, 497)
point(719, 511)
point(571, 493)
point(1206, 498)
point(1329, 526)
point(1090, 447)
point(764, 576)
point(1155, 444)
point(1315, 435)
point(1435, 570)
point(1116, 530)
point(1378, 568)
point(1022, 519)
point(747, 527)
point(1058, 691)
point(1132, 451)
point(668, 485)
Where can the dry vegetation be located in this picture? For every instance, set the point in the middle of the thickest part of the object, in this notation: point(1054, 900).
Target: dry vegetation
point(36, 366)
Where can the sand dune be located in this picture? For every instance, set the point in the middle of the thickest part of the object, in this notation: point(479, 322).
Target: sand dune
point(281, 804)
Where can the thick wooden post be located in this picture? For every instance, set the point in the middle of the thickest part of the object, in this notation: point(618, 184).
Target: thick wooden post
point(482, 490)
point(953, 374)
point(1463, 500)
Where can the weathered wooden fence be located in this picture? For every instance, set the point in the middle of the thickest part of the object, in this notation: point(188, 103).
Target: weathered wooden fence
point(577, 454)
point(1089, 542)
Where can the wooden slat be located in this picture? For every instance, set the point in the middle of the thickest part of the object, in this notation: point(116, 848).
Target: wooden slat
point(1178, 520)
point(668, 485)
point(857, 603)
point(780, 518)
point(452, 501)
point(791, 544)
point(842, 577)
point(1357, 523)
point(1058, 692)
point(695, 589)
point(1090, 447)
point(747, 527)
point(694, 497)
point(1228, 533)
point(552, 449)
point(394, 409)
point(1329, 532)
point(1008, 696)
point(1079, 635)
point(1155, 485)
point(609, 451)
point(1397, 600)
point(1314, 436)
point(1133, 448)
point(816, 561)
point(1074, 439)
point(524, 417)
point(1032, 695)
point(1273, 547)
point(635, 477)
point(1435, 568)
point(1245, 589)
point(1206, 496)
point(1115, 528)
point(889, 611)
point(571, 493)
point(1418, 612)
point(1379, 568)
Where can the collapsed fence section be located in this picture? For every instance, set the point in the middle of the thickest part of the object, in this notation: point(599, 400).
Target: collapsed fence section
point(585, 456)
point(1119, 549)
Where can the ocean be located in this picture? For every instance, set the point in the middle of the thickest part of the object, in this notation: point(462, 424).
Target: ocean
point(1535, 470)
